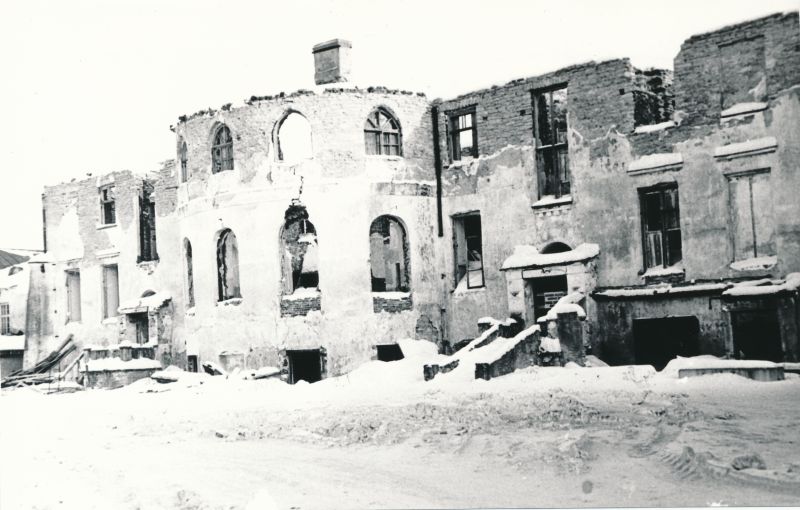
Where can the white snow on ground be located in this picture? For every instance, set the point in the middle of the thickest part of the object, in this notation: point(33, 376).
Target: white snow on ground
point(381, 437)
point(653, 161)
point(97, 365)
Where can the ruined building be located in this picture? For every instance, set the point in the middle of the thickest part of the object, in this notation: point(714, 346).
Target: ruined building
point(312, 230)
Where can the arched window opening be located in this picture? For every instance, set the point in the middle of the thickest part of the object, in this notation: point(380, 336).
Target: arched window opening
point(187, 253)
point(388, 255)
point(227, 266)
point(294, 138)
point(183, 157)
point(222, 150)
point(382, 135)
point(556, 247)
point(299, 251)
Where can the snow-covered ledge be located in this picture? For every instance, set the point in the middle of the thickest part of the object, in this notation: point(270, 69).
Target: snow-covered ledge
point(755, 264)
point(749, 148)
point(742, 109)
point(656, 163)
point(652, 128)
point(552, 201)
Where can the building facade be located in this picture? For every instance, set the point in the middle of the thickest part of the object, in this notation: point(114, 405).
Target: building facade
point(309, 230)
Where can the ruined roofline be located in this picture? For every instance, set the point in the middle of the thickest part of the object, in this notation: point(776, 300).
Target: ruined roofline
point(148, 175)
point(743, 24)
point(333, 88)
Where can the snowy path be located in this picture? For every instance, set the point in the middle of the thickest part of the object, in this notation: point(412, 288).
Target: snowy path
point(542, 437)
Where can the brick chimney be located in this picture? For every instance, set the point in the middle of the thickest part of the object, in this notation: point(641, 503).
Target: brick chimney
point(332, 61)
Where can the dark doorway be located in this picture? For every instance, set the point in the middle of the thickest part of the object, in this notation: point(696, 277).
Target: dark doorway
point(547, 291)
point(141, 322)
point(756, 335)
point(389, 352)
point(657, 341)
point(191, 361)
point(304, 365)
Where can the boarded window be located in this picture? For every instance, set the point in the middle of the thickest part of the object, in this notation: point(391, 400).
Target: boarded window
point(550, 127)
point(147, 224)
point(661, 229)
point(299, 251)
point(294, 138)
point(388, 255)
point(227, 266)
point(382, 134)
point(183, 157)
point(5, 319)
point(187, 252)
point(110, 291)
point(222, 150)
point(752, 218)
point(468, 251)
point(108, 207)
point(463, 135)
point(73, 295)
point(742, 72)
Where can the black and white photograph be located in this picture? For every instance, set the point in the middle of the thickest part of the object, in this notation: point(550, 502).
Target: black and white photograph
point(371, 254)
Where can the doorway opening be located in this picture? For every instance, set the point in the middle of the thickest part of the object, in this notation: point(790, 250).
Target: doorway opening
point(142, 324)
point(756, 335)
point(304, 365)
point(389, 352)
point(657, 341)
point(547, 290)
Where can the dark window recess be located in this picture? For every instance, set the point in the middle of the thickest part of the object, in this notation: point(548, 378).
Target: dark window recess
point(304, 365)
point(299, 251)
point(756, 335)
point(463, 135)
point(187, 252)
point(191, 363)
point(550, 130)
point(5, 319)
point(227, 266)
point(147, 224)
point(183, 156)
point(389, 352)
point(141, 322)
point(382, 134)
point(468, 251)
point(222, 150)
point(388, 255)
point(657, 341)
point(661, 229)
point(546, 293)
point(108, 206)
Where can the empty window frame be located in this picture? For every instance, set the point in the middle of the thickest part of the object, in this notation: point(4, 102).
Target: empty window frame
point(147, 224)
point(463, 134)
point(468, 251)
point(108, 206)
point(661, 229)
point(550, 131)
point(382, 135)
point(388, 255)
point(183, 157)
point(227, 266)
point(751, 215)
point(222, 150)
point(110, 291)
point(299, 251)
point(73, 285)
point(294, 138)
point(187, 253)
point(5, 319)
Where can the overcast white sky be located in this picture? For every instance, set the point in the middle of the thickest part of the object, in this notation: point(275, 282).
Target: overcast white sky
point(93, 86)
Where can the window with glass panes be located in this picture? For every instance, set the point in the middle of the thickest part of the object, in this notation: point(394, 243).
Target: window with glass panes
point(463, 135)
point(550, 129)
point(222, 150)
point(382, 134)
point(661, 228)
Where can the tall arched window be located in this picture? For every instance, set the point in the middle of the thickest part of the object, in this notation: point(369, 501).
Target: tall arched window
point(382, 134)
point(299, 251)
point(294, 138)
point(222, 150)
point(183, 156)
point(388, 255)
point(227, 266)
point(187, 253)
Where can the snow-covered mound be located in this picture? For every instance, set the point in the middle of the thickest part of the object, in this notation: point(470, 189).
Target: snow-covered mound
point(709, 361)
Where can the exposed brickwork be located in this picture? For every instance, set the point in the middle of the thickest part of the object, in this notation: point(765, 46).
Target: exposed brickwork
point(391, 305)
point(300, 307)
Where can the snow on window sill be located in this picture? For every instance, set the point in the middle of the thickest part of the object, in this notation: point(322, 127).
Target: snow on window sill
point(651, 128)
point(742, 109)
point(754, 264)
point(302, 293)
point(231, 301)
point(552, 201)
point(664, 271)
point(391, 295)
point(386, 157)
point(110, 320)
point(102, 226)
point(656, 163)
point(190, 312)
point(462, 288)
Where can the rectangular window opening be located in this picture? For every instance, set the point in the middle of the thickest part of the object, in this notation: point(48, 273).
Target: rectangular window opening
point(108, 212)
point(463, 135)
point(73, 295)
point(5, 319)
point(147, 224)
point(661, 231)
point(550, 132)
point(110, 291)
point(751, 215)
point(468, 251)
